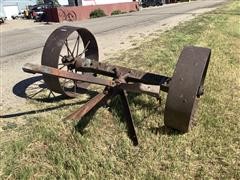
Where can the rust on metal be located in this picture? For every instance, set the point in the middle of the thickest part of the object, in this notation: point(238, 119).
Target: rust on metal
point(152, 90)
point(92, 103)
point(49, 71)
point(185, 87)
point(82, 68)
point(52, 56)
point(128, 117)
point(88, 65)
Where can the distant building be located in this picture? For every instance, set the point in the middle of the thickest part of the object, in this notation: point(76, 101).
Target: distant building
point(88, 2)
point(78, 10)
point(92, 2)
point(13, 7)
point(100, 2)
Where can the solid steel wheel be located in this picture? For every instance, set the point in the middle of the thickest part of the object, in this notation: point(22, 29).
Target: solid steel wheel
point(60, 52)
point(185, 86)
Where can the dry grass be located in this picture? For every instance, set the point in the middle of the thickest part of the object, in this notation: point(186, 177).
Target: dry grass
point(47, 147)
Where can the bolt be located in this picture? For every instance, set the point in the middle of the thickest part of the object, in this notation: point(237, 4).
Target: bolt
point(200, 91)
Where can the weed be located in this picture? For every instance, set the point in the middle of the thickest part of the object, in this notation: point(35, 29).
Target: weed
point(116, 12)
point(97, 13)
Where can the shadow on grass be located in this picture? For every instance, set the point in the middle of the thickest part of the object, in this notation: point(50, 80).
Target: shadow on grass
point(41, 110)
point(20, 90)
point(116, 107)
point(32, 87)
point(164, 130)
point(84, 121)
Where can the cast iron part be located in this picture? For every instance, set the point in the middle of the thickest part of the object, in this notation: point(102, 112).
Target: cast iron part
point(82, 67)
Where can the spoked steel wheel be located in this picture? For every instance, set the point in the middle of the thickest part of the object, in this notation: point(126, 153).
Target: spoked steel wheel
point(62, 48)
point(185, 87)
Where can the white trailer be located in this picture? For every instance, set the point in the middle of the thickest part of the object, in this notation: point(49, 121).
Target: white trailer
point(9, 11)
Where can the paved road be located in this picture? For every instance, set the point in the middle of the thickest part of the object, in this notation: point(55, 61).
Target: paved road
point(15, 42)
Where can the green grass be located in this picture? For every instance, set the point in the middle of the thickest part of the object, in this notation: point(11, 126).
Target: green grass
point(48, 147)
point(97, 13)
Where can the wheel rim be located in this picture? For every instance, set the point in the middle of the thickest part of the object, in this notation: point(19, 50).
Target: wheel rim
point(60, 52)
point(184, 87)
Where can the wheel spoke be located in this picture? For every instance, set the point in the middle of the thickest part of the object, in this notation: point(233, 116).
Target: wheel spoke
point(62, 66)
point(76, 44)
point(85, 49)
point(68, 49)
point(77, 48)
point(66, 44)
point(51, 92)
point(31, 96)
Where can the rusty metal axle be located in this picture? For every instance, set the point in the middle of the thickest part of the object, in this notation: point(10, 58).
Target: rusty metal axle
point(152, 90)
point(66, 69)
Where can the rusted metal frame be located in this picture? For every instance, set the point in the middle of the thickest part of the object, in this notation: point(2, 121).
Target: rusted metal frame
point(121, 78)
point(102, 98)
point(87, 65)
point(95, 102)
point(152, 90)
point(32, 68)
point(128, 117)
